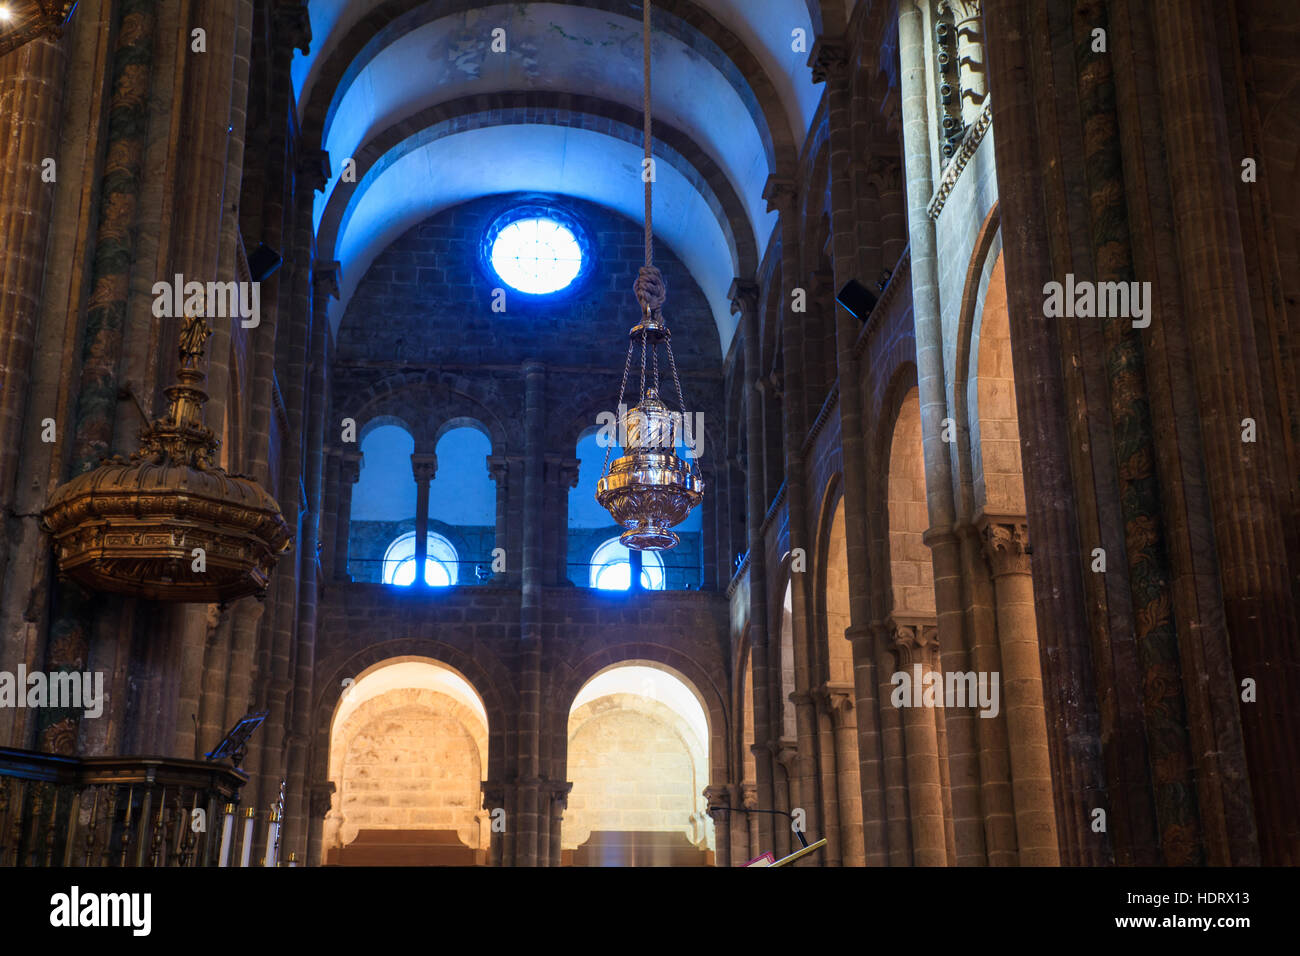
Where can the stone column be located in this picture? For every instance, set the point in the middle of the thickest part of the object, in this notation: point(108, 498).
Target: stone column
point(917, 645)
point(330, 513)
point(1250, 503)
point(941, 509)
point(567, 480)
point(424, 468)
point(499, 471)
point(559, 793)
point(893, 751)
point(780, 196)
point(830, 65)
point(349, 474)
point(494, 799)
point(530, 617)
point(719, 799)
point(828, 778)
point(839, 702)
point(31, 94)
point(1005, 546)
point(741, 848)
point(805, 718)
point(744, 300)
point(320, 800)
point(787, 795)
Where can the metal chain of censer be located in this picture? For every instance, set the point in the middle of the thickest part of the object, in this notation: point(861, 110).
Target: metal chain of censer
point(649, 488)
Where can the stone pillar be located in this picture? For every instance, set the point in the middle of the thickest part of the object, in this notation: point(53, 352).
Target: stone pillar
point(893, 761)
point(494, 799)
point(330, 513)
point(349, 475)
point(559, 793)
point(567, 479)
point(530, 618)
point(741, 848)
point(917, 646)
point(719, 799)
point(320, 800)
point(31, 93)
point(744, 300)
point(941, 537)
point(830, 65)
point(1249, 501)
point(499, 471)
point(805, 719)
point(839, 703)
point(828, 779)
point(424, 468)
point(780, 196)
point(1005, 546)
point(787, 795)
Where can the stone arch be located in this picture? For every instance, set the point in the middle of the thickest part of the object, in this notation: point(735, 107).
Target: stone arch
point(483, 672)
point(911, 574)
point(682, 19)
point(567, 681)
point(551, 109)
point(636, 755)
point(460, 397)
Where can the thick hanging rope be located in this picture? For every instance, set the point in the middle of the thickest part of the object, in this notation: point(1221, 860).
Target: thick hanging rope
point(650, 288)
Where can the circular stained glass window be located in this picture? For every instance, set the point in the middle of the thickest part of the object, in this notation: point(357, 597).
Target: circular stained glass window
point(536, 255)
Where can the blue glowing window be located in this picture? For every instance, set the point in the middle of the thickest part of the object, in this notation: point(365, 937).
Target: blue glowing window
point(611, 568)
point(440, 566)
point(537, 256)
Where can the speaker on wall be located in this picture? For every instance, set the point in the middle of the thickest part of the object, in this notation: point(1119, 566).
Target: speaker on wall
point(263, 261)
point(857, 299)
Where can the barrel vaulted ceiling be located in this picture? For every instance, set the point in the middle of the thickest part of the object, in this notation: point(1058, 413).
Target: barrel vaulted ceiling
point(412, 92)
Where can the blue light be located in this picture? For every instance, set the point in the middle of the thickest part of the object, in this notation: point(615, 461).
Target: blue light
point(537, 256)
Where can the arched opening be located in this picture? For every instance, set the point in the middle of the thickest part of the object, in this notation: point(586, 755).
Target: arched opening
point(595, 557)
point(383, 501)
point(910, 570)
point(462, 505)
point(638, 758)
point(840, 773)
point(441, 566)
point(408, 752)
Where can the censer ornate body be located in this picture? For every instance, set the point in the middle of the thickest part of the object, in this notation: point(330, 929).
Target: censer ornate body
point(650, 488)
point(167, 524)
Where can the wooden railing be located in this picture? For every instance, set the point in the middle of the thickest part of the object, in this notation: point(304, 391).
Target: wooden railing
point(112, 811)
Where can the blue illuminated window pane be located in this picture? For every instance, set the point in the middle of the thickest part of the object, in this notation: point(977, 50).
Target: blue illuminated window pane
point(611, 568)
point(536, 256)
point(440, 566)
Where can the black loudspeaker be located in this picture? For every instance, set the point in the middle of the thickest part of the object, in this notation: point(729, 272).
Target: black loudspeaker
point(857, 299)
point(263, 261)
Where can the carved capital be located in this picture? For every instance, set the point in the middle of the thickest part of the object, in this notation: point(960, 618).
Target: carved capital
point(494, 795)
point(779, 194)
point(744, 297)
point(325, 277)
point(424, 467)
point(498, 467)
point(291, 26)
point(915, 641)
point(962, 10)
point(350, 470)
point(836, 699)
point(886, 174)
point(321, 798)
point(1006, 546)
point(749, 796)
point(314, 169)
point(829, 60)
point(718, 798)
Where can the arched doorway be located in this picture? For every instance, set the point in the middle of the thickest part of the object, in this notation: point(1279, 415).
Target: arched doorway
point(638, 758)
point(408, 749)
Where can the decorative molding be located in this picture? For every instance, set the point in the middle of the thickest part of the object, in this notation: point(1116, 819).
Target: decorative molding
point(952, 172)
point(827, 59)
point(828, 407)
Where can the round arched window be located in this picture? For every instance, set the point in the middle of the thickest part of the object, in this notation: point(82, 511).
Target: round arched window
point(537, 255)
point(440, 566)
point(611, 568)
